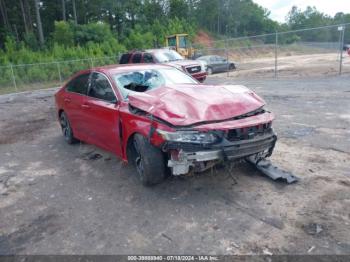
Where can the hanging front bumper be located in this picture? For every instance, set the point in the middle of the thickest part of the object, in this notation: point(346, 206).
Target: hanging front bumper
point(188, 157)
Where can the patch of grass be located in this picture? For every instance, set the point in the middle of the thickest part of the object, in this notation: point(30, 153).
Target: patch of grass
point(28, 87)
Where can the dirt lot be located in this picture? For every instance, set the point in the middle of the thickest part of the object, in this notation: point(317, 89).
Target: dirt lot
point(61, 199)
point(290, 64)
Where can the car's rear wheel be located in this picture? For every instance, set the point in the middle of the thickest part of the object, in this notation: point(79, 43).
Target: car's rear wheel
point(232, 67)
point(149, 161)
point(67, 129)
point(210, 71)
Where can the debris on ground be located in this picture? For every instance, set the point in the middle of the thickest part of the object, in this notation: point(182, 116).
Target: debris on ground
point(91, 156)
point(311, 249)
point(313, 229)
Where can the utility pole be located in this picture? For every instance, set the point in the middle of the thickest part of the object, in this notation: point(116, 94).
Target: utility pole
point(276, 55)
point(341, 45)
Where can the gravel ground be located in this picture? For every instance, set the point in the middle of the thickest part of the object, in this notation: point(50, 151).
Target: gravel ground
point(62, 199)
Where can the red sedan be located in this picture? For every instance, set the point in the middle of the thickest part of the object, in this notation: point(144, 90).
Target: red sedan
point(157, 117)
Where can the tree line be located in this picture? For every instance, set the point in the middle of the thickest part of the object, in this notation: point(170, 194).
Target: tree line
point(98, 27)
point(234, 17)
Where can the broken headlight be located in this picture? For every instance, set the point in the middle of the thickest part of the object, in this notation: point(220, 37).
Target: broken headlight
point(195, 137)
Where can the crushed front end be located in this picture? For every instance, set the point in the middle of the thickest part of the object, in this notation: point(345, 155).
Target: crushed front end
point(199, 150)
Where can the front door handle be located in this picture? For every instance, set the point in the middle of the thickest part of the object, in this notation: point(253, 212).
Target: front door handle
point(85, 106)
point(67, 100)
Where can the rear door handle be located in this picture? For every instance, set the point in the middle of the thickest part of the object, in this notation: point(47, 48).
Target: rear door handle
point(67, 100)
point(85, 106)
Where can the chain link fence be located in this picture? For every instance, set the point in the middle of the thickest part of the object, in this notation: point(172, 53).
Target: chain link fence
point(299, 53)
point(24, 77)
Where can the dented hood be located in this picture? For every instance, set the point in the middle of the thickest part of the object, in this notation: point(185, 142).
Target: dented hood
point(184, 105)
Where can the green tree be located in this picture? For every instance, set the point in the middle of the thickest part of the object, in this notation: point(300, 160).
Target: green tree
point(138, 39)
point(179, 9)
point(310, 18)
point(93, 32)
point(63, 34)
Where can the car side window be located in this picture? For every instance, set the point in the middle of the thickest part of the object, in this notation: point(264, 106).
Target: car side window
point(124, 59)
point(147, 58)
point(136, 58)
point(212, 59)
point(101, 89)
point(79, 84)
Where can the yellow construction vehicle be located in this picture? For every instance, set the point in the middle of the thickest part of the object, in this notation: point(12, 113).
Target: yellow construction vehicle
point(181, 44)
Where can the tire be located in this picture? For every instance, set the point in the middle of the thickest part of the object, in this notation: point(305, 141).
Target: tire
point(232, 67)
point(210, 71)
point(149, 162)
point(67, 129)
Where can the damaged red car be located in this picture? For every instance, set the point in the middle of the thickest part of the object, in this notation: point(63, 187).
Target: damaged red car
point(160, 119)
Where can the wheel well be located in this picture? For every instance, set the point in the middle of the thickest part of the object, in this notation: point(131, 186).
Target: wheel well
point(130, 148)
point(60, 112)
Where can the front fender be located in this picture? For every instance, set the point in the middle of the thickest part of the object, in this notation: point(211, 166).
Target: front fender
point(140, 124)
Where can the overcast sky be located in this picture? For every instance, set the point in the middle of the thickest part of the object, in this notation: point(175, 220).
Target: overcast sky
point(280, 8)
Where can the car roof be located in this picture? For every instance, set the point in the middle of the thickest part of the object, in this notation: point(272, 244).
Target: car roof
point(154, 50)
point(113, 69)
point(151, 50)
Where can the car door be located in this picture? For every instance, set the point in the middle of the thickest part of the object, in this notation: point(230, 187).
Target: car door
point(74, 97)
point(221, 63)
point(225, 63)
point(101, 113)
point(214, 64)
